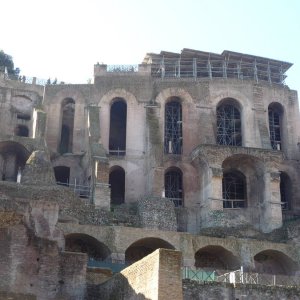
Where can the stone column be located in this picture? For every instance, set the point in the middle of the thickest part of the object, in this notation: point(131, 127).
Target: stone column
point(100, 160)
point(216, 197)
point(101, 187)
point(212, 198)
point(271, 211)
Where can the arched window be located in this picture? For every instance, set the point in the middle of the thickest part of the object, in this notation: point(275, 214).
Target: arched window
point(117, 129)
point(285, 191)
point(234, 190)
point(229, 128)
point(173, 186)
point(22, 130)
point(67, 126)
point(275, 112)
point(117, 185)
point(173, 127)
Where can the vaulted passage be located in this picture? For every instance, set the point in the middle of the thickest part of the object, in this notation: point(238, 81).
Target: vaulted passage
point(117, 185)
point(67, 126)
point(144, 247)
point(216, 258)
point(77, 242)
point(229, 127)
point(62, 175)
point(173, 186)
point(173, 127)
point(117, 129)
point(274, 262)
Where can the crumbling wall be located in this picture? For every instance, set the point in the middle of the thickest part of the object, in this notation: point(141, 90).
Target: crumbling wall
point(217, 290)
point(31, 257)
point(157, 213)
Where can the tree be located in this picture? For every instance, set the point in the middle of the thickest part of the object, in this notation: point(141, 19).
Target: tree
point(7, 61)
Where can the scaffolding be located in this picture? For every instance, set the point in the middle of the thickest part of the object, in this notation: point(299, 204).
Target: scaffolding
point(199, 64)
point(173, 128)
point(233, 189)
point(173, 187)
point(229, 131)
point(274, 126)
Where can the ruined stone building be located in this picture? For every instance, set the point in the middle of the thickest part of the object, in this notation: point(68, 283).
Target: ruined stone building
point(193, 151)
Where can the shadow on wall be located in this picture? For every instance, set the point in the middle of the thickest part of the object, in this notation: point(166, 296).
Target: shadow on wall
point(116, 288)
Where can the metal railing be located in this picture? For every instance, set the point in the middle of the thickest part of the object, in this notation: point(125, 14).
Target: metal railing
point(83, 191)
point(118, 152)
point(122, 68)
point(239, 277)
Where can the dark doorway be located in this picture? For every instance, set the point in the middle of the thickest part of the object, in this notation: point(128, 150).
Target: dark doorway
point(117, 130)
point(67, 126)
point(117, 185)
point(22, 130)
point(62, 175)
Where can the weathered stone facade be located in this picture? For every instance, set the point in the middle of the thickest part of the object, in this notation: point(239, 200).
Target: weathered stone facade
point(195, 152)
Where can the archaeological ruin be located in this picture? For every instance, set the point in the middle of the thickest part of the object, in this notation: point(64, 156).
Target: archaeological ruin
point(177, 178)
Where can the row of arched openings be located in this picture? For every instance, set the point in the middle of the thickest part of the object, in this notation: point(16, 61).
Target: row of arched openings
point(229, 125)
point(234, 190)
point(172, 180)
point(212, 257)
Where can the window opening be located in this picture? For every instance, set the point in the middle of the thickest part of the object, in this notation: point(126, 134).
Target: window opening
point(229, 130)
point(117, 131)
point(233, 190)
point(173, 187)
point(67, 126)
point(22, 130)
point(274, 126)
point(173, 128)
point(117, 186)
point(285, 190)
point(62, 175)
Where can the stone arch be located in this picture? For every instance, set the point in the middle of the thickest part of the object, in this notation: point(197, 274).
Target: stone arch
point(79, 242)
point(133, 116)
point(13, 156)
point(274, 262)
point(143, 247)
point(217, 258)
point(128, 97)
point(168, 93)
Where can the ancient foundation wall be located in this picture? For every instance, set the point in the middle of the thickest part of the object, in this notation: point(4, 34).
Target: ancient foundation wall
point(156, 277)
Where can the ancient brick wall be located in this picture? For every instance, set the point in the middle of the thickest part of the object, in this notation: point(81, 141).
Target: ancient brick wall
point(156, 277)
point(215, 291)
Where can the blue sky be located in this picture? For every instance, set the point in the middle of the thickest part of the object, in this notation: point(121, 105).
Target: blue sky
point(64, 39)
